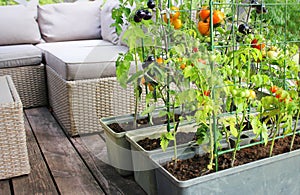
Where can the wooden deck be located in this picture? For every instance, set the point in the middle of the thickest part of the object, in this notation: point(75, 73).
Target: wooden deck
point(63, 165)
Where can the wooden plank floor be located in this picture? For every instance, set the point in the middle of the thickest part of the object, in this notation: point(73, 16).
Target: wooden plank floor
point(63, 165)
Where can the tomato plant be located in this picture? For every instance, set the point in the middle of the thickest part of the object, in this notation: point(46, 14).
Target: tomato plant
point(207, 61)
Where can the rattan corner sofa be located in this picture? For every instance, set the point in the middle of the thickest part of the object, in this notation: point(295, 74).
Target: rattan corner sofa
point(64, 55)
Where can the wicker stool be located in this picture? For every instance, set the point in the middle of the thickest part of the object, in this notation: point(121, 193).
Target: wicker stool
point(13, 150)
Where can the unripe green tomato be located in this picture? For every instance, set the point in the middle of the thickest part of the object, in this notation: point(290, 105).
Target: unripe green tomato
point(242, 74)
point(247, 93)
point(242, 94)
point(212, 57)
point(234, 92)
point(229, 72)
point(207, 39)
point(235, 72)
point(272, 54)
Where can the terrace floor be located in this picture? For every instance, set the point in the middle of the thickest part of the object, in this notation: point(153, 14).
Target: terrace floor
point(63, 165)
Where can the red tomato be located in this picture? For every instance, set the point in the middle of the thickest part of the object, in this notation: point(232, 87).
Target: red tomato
point(273, 89)
point(206, 92)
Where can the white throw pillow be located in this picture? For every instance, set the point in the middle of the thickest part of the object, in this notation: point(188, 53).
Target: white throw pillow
point(18, 24)
point(70, 21)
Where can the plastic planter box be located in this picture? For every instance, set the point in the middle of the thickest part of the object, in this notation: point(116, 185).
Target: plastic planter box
point(118, 148)
point(275, 175)
point(144, 173)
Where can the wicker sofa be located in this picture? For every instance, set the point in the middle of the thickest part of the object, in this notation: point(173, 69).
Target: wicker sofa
point(65, 53)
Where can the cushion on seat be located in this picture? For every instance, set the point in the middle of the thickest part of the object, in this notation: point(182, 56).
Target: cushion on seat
point(18, 24)
point(70, 21)
point(82, 61)
point(19, 55)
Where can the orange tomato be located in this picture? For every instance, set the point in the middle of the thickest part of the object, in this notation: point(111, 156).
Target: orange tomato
point(261, 46)
point(203, 28)
point(177, 23)
point(166, 19)
point(175, 13)
point(143, 81)
point(159, 60)
point(204, 13)
point(218, 17)
point(182, 66)
point(151, 88)
point(201, 61)
point(257, 46)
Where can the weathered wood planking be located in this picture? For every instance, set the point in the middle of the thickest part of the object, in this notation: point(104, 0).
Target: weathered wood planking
point(70, 173)
point(39, 181)
point(92, 148)
point(4, 187)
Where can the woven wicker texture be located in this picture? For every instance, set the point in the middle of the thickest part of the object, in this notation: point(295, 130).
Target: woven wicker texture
point(78, 105)
point(30, 83)
point(13, 150)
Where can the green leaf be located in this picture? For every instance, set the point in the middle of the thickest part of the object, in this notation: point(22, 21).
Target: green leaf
point(135, 76)
point(188, 71)
point(233, 130)
point(164, 143)
point(148, 110)
point(228, 103)
point(264, 133)
point(170, 136)
point(243, 58)
point(162, 113)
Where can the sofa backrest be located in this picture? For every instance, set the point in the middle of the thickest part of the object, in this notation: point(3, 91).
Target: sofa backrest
point(33, 23)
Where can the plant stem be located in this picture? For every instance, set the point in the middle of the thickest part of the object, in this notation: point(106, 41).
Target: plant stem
point(238, 140)
point(136, 92)
point(211, 158)
point(274, 135)
point(294, 130)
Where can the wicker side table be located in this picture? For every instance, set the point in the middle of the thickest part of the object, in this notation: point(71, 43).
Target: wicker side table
point(13, 149)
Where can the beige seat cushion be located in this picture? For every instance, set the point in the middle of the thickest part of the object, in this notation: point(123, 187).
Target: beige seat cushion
point(19, 55)
point(79, 60)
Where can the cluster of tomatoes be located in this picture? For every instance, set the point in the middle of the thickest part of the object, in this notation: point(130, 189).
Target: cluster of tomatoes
point(204, 23)
point(144, 14)
point(174, 18)
point(280, 94)
point(243, 93)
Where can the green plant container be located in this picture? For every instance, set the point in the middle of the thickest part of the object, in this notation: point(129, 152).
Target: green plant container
point(274, 175)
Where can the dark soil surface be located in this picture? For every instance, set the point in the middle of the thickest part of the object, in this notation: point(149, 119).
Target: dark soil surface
point(197, 166)
point(152, 144)
point(141, 123)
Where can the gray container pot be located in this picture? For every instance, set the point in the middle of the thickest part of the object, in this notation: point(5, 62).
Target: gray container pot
point(144, 173)
point(275, 175)
point(118, 148)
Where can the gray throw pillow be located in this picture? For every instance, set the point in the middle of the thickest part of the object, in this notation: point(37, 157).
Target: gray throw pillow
point(109, 33)
point(70, 21)
point(18, 24)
